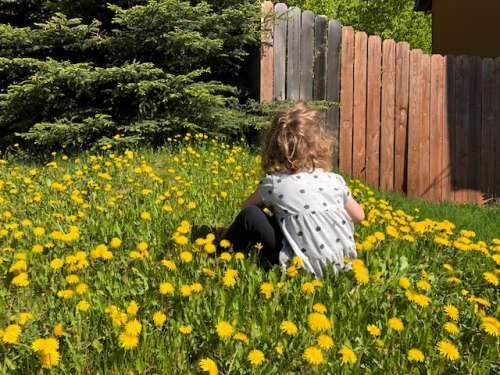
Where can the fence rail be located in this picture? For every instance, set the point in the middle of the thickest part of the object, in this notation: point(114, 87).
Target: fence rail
point(424, 125)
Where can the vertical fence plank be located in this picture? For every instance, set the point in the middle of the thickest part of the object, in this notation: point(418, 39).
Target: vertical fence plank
point(487, 126)
point(496, 130)
point(266, 53)
point(320, 40)
point(449, 130)
point(333, 82)
point(414, 122)
point(306, 55)
point(462, 117)
point(359, 116)
point(279, 47)
point(401, 115)
point(474, 169)
point(373, 110)
point(388, 109)
point(436, 127)
point(346, 100)
point(293, 54)
point(424, 162)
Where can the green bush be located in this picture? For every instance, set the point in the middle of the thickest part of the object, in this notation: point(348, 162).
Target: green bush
point(149, 69)
point(64, 94)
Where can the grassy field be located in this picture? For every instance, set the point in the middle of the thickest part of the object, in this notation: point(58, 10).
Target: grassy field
point(101, 272)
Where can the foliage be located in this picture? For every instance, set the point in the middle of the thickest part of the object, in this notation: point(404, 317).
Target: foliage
point(391, 19)
point(144, 68)
point(82, 234)
point(76, 95)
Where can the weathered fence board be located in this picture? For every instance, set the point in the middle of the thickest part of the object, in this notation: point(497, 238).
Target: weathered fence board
point(279, 49)
point(359, 115)
point(293, 54)
point(496, 130)
point(487, 128)
point(414, 122)
point(306, 55)
point(449, 130)
point(388, 109)
point(462, 118)
point(373, 110)
point(401, 116)
point(266, 53)
point(333, 82)
point(320, 43)
point(346, 99)
point(474, 160)
point(436, 127)
point(424, 160)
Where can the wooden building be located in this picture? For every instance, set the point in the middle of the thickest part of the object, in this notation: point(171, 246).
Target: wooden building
point(464, 27)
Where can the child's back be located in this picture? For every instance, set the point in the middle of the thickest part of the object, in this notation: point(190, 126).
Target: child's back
point(309, 207)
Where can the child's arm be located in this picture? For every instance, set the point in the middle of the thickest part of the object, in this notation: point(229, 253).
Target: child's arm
point(253, 200)
point(354, 210)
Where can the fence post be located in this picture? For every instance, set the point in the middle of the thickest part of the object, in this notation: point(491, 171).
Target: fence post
point(266, 53)
point(333, 66)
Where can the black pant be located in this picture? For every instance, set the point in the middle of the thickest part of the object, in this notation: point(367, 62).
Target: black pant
point(252, 225)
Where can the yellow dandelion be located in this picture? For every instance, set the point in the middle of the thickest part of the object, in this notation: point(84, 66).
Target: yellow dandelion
point(225, 244)
point(373, 330)
point(83, 305)
point(319, 307)
point(348, 355)
point(186, 256)
point(424, 285)
point(208, 365)
point(166, 288)
point(452, 312)
point(318, 322)
point(448, 350)
point(50, 360)
point(225, 256)
point(170, 265)
point(325, 342)
point(159, 318)
point(491, 325)
point(266, 289)
point(314, 355)
point(491, 278)
point(133, 327)
point(404, 282)
point(415, 355)
point(58, 330)
point(451, 328)
point(256, 357)
point(128, 341)
point(132, 308)
point(289, 328)
point(279, 349)
point(241, 336)
point(396, 324)
point(115, 242)
point(422, 300)
point(186, 330)
point(224, 329)
point(11, 334)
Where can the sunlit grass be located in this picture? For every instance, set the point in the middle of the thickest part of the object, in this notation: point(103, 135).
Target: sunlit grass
point(131, 213)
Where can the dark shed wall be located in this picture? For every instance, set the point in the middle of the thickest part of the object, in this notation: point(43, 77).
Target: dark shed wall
point(465, 27)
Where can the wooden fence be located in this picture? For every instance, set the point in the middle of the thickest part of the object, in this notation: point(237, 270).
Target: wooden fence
point(424, 125)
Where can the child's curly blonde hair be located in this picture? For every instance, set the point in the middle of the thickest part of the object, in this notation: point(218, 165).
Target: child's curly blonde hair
point(297, 140)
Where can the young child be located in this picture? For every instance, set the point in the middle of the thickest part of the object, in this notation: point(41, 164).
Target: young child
point(313, 210)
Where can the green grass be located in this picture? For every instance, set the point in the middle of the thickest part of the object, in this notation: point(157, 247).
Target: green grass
point(217, 177)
